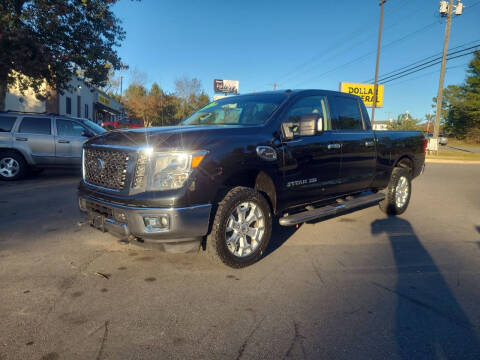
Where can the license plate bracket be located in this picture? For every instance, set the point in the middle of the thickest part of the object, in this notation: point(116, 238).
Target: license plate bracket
point(97, 221)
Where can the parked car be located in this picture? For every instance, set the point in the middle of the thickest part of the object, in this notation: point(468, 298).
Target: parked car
point(231, 169)
point(442, 139)
point(30, 141)
point(122, 124)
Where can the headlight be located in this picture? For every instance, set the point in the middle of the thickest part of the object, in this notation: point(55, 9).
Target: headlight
point(170, 170)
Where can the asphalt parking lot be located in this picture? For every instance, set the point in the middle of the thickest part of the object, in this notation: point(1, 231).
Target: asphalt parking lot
point(361, 286)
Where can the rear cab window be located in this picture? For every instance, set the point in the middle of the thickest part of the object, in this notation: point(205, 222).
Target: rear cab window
point(6, 123)
point(347, 114)
point(32, 125)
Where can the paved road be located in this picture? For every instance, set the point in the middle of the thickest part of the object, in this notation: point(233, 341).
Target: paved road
point(361, 286)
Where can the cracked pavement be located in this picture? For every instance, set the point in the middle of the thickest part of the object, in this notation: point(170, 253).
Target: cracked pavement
point(360, 286)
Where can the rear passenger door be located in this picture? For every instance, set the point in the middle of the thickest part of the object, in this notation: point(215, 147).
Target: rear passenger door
point(357, 141)
point(34, 136)
point(69, 141)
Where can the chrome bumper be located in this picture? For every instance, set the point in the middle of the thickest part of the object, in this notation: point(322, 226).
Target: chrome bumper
point(185, 223)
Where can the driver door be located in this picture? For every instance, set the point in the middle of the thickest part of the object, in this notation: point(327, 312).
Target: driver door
point(311, 164)
point(69, 142)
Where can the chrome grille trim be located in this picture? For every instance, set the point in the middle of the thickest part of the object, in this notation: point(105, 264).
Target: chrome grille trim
point(106, 168)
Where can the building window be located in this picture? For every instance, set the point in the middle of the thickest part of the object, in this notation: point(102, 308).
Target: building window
point(79, 104)
point(86, 111)
point(69, 105)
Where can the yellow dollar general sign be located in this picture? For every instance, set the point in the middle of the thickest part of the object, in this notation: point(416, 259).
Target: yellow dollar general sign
point(365, 91)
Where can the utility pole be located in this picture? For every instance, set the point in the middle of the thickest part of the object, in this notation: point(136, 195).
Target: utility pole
point(445, 10)
point(375, 84)
point(275, 85)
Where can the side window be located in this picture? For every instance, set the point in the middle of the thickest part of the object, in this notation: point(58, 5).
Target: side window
point(6, 123)
point(31, 125)
point(311, 105)
point(69, 128)
point(348, 115)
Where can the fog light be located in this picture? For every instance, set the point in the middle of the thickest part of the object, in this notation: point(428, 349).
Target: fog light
point(82, 204)
point(156, 223)
point(120, 216)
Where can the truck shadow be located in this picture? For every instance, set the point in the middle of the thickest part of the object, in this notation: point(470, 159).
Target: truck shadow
point(429, 322)
point(280, 234)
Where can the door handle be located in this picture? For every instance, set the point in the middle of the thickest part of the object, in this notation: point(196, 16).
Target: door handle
point(21, 139)
point(369, 143)
point(334, 146)
point(64, 141)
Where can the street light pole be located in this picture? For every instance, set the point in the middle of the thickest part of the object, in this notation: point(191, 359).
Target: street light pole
point(436, 129)
point(375, 84)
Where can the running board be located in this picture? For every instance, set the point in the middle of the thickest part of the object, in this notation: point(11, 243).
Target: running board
point(332, 210)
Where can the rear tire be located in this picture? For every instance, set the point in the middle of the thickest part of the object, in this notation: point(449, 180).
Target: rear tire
point(241, 228)
point(12, 166)
point(397, 196)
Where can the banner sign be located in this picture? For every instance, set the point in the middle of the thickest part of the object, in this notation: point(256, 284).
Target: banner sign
point(365, 91)
point(225, 86)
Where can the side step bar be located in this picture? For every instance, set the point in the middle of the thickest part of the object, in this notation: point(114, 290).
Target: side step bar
point(331, 210)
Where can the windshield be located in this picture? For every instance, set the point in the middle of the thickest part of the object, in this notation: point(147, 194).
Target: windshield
point(237, 110)
point(97, 129)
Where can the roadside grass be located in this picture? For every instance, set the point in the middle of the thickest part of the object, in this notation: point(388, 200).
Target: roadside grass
point(460, 143)
point(455, 155)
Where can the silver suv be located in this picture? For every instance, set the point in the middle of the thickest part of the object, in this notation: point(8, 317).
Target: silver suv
point(36, 141)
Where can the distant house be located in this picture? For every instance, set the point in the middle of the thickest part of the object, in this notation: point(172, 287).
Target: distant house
point(84, 101)
point(381, 125)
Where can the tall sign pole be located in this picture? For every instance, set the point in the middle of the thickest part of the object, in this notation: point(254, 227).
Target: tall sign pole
point(449, 13)
point(375, 84)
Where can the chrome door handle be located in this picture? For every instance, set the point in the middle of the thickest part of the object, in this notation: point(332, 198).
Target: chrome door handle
point(369, 143)
point(21, 139)
point(334, 146)
point(64, 141)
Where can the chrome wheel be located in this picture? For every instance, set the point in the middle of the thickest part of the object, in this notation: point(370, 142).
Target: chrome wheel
point(9, 167)
point(245, 229)
point(401, 192)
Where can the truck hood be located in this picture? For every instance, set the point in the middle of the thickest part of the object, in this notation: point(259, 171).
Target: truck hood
point(178, 137)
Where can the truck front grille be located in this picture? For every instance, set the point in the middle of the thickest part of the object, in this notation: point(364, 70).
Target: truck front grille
point(106, 168)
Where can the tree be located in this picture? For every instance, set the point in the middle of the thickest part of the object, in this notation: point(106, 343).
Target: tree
point(51, 41)
point(461, 104)
point(404, 122)
point(191, 96)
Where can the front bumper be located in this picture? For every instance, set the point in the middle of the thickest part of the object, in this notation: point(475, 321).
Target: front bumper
point(185, 224)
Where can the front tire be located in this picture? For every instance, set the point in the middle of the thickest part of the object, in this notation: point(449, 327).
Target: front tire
point(241, 229)
point(398, 192)
point(12, 166)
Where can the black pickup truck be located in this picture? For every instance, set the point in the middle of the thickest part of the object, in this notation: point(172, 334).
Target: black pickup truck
point(223, 176)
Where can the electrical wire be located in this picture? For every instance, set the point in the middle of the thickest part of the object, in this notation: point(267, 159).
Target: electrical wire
point(426, 67)
point(424, 60)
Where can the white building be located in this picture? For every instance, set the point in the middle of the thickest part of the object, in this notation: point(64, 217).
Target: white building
point(381, 125)
point(82, 101)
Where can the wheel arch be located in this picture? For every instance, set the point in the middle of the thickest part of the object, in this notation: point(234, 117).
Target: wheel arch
point(406, 162)
point(252, 178)
point(17, 152)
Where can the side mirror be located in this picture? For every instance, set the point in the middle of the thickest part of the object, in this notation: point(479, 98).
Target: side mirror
point(86, 134)
point(307, 125)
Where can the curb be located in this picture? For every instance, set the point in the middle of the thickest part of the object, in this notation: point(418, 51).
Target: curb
point(445, 161)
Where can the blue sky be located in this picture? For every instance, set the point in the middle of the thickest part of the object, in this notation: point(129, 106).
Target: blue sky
point(297, 44)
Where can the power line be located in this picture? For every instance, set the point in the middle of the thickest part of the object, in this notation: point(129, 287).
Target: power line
point(383, 78)
point(435, 56)
point(372, 52)
point(429, 73)
point(426, 67)
point(351, 37)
